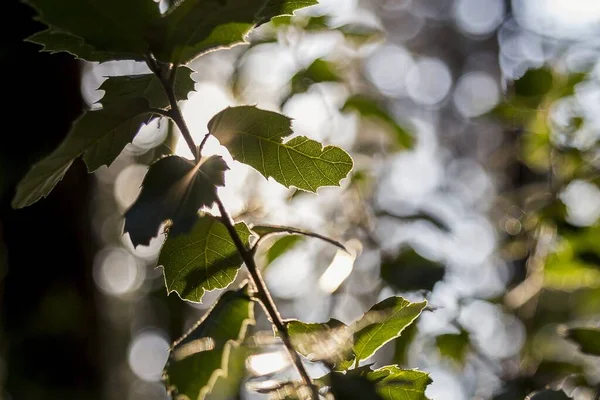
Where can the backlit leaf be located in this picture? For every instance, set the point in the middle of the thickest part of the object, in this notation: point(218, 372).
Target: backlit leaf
point(254, 137)
point(203, 259)
point(173, 189)
point(148, 86)
point(194, 27)
point(110, 27)
point(201, 357)
point(384, 322)
point(93, 135)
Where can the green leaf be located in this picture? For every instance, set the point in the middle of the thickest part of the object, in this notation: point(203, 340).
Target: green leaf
point(254, 137)
point(194, 27)
point(384, 322)
point(329, 341)
point(332, 340)
point(548, 395)
point(94, 134)
point(454, 346)
point(173, 189)
point(56, 41)
point(281, 246)
point(393, 383)
point(199, 358)
point(229, 386)
point(204, 259)
point(107, 26)
point(319, 71)
point(148, 86)
point(352, 387)
point(387, 383)
point(267, 230)
point(588, 339)
point(368, 108)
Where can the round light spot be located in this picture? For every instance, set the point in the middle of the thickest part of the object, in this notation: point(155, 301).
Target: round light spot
point(428, 81)
point(148, 354)
point(478, 17)
point(116, 272)
point(476, 93)
point(386, 68)
point(583, 202)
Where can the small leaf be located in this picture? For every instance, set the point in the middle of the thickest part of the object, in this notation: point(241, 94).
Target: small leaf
point(384, 322)
point(393, 383)
point(454, 346)
point(329, 341)
point(281, 246)
point(147, 86)
point(173, 189)
point(388, 383)
point(368, 108)
point(111, 27)
point(353, 387)
point(204, 259)
point(93, 134)
point(588, 339)
point(56, 41)
point(194, 27)
point(319, 71)
point(548, 395)
point(254, 137)
point(199, 358)
point(266, 230)
point(332, 340)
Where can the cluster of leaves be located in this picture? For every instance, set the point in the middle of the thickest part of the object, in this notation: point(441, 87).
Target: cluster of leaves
point(564, 257)
point(202, 252)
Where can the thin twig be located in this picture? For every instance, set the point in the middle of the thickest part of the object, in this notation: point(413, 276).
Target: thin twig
point(263, 294)
point(174, 112)
point(265, 298)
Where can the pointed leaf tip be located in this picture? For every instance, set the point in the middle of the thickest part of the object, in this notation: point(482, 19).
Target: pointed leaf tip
point(173, 189)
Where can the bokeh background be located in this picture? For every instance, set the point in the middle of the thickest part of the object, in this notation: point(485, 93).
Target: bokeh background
point(470, 190)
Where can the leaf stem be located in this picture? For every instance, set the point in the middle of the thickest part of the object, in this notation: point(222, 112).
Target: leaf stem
point(265, 298)
point(174, 113)
point(262, 292)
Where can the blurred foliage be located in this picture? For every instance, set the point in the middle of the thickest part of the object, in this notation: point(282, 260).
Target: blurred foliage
point(562, 282)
